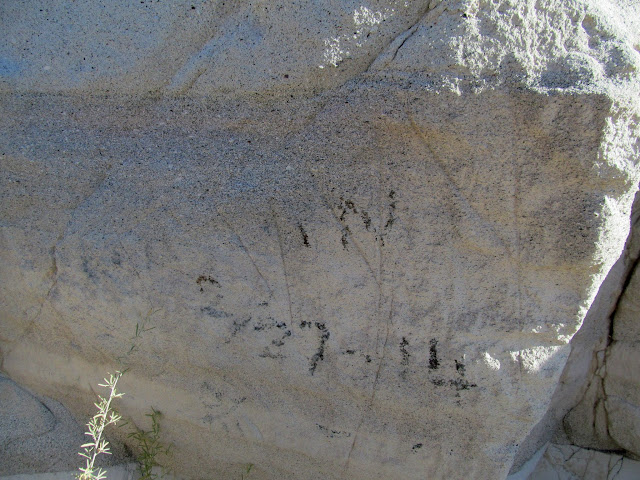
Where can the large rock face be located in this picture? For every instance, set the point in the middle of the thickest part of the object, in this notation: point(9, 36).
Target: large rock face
point(606, 415)
point(354, 240)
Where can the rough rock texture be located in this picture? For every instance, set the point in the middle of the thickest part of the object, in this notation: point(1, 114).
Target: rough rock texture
point(622, 363)
point(358, 247)
point(608, 414)
point(127, 471)
point(568, 462)
point(577, 412)
point(38, 434)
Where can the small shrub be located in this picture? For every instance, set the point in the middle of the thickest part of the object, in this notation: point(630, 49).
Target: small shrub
point(106, 416)
point(150, 446)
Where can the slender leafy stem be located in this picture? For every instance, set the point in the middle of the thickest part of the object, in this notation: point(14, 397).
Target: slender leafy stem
point(98, 445)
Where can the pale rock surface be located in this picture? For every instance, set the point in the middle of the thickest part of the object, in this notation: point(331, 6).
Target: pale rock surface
point(577, 413)
point(38, 434)
point(622, 378)
point(363, 240)
point(568, 462)
point(608, 414)
point(115, 472)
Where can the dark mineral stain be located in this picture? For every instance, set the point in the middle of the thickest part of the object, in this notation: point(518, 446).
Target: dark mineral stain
point(458, 383)
point(366, 219)
point(87, 270)
point(433, 354)
point(267, 354)
point(461, 384)
point(285, 333)
point(349, 204)
point(403, 349)
point(389, 223)
point(319, 355)
point(206, 278)
point(345, 234)
point(438, 382)
point(417, 446)
point(212, 312)
point(305, 236)
point(239, 325)
point(332, 433)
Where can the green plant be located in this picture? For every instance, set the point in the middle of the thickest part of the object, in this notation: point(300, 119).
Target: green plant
point(95, 428)
point(148, 441)
point(247, 470)
point(141, 328)
point(150, 446)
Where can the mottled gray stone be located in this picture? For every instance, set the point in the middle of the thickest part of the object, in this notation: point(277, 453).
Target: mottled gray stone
point(363, 235)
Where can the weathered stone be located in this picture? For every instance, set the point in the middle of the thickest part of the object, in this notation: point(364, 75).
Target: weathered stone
point(622, 380)
point(38, 435)
point(377, 281)
point(608, 414)
point(626, 326)
point(568, 462)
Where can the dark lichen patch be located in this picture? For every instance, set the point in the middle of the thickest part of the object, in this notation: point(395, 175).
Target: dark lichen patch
point(208, 388)
point(457, 383)
point(350, 205)
point(237, 326)
point(305, 324)
point(266, 353)
point(416, 447)
point(389, 223)
point(270, 325)
point(392, 208)
point(434, 363)
point(461, 384)
point(350, 352)
point(438, 382)
point(460, 368)
point(366, 219)
point(347, 205)
point(305, 236)
point(285, 333)
point(212, 312)
point(86, 269)
point(403, 349)
point(367, 358)
point(345, 236)
point(209, 418)
point(203, 279)
point(333, 433)
point(319, 355)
